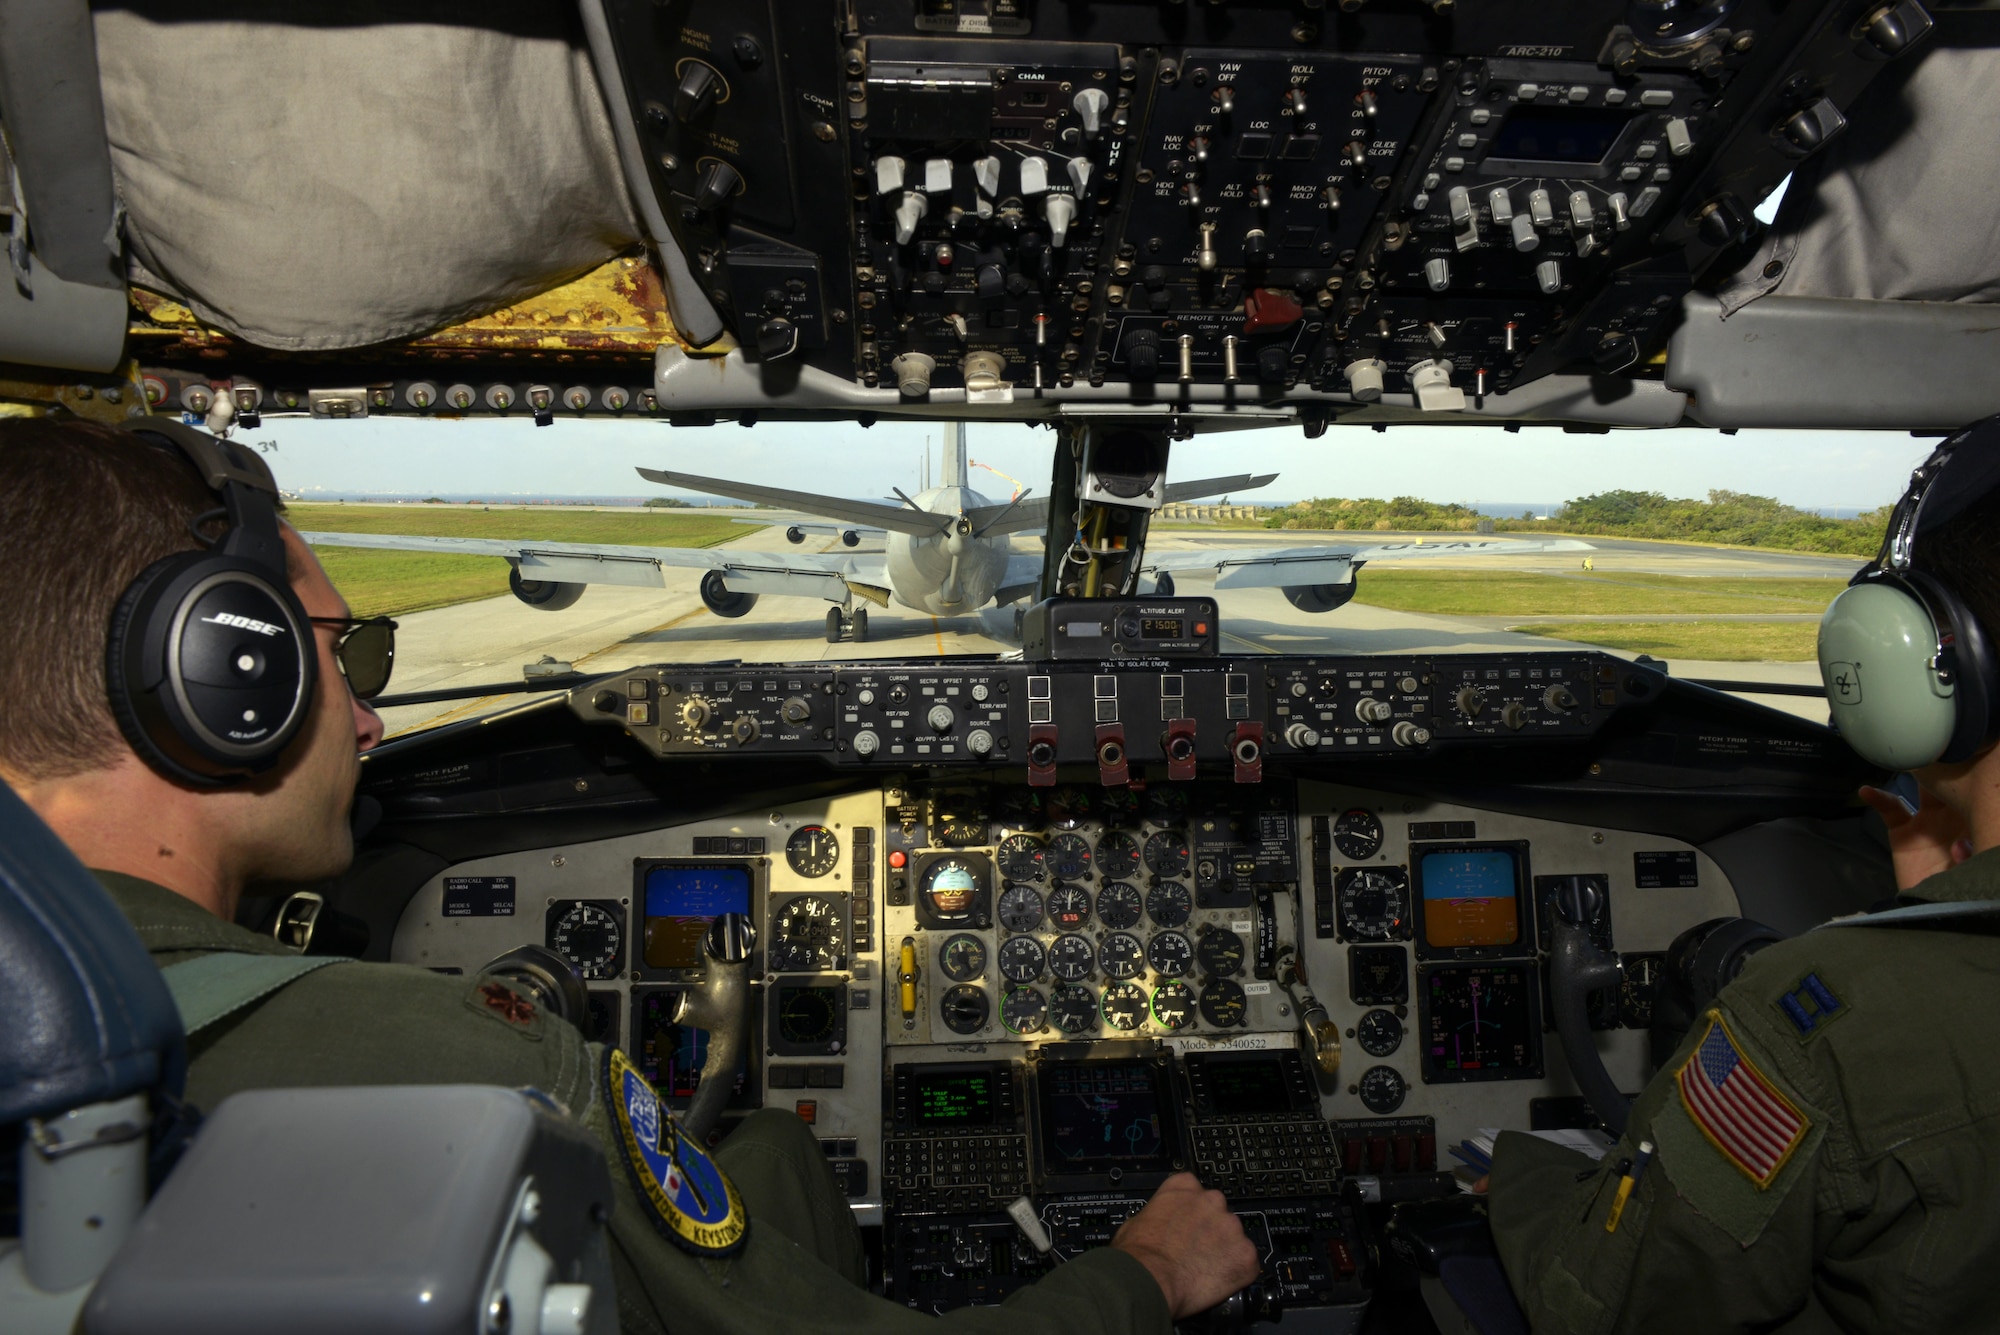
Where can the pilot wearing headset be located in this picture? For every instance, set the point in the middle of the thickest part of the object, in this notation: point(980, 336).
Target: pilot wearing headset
point(186, 697)
point(1823, 1151)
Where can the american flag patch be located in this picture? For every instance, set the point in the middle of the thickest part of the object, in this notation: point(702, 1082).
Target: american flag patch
point(1754, 1126)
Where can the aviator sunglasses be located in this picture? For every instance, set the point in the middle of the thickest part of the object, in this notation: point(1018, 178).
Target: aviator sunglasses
point(365, 648)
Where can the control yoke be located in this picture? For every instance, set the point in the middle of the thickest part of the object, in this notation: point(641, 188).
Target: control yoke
point(1579, 966)
point(720, 1005)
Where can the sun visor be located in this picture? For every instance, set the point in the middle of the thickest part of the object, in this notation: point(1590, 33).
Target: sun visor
point(321, 183)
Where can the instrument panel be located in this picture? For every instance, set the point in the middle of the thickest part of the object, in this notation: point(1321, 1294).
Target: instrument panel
point(909, 929)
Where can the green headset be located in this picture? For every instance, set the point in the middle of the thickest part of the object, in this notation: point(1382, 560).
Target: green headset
point(1910, 673)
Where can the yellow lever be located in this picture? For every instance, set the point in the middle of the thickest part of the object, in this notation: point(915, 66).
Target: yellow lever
point(906, 977)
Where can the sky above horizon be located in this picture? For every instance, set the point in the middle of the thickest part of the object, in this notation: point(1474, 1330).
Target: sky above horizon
point(1810, 469)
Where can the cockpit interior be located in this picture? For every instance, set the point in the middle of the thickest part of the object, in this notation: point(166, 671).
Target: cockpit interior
point(1021, 935)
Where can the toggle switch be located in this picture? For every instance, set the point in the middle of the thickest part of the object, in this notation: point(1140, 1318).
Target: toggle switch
point(1549, 277)
point(1090, 106)
point(1525, 239)
point(1060, 210)
point(937, 176)
point(1501, 203)
point(1619, 218)
point(1580, 212)
point(888, 174)
point(1079, 174)
point(986, 175)
point(908, 214)
point(717, 182)
point(1034, 175)
point(1460, 202)
point(1437, 274)
point(1541, 211)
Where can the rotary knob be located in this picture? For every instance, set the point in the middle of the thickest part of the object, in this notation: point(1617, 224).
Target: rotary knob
point(1301, 736)
point(1514, 715)
point(1558, 699)
point(694, 712)
point(979, 741)
point(866, 743)
point(745, 729)
point(1469, 701)
point(796, 710)
point(1370, 710)
point(940, 718)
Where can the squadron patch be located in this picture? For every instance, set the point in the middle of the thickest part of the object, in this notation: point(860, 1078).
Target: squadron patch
point(687, 1196)
point(1736, 1108)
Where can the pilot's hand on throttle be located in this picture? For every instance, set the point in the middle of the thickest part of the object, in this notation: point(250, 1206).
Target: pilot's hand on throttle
point(1931, 839)
point(1196, 1250)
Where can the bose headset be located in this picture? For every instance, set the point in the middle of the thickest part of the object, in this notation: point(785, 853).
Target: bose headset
point(1909, 671)
point(211, 660)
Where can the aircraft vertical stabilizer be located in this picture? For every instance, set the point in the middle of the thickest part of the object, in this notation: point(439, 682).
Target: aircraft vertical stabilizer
point(955, 471)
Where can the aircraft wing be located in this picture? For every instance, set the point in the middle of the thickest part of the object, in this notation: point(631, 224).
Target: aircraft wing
point(1027, 516)
point(1288, 567)
point(813, 526)
point(829, 575)
point(917, 523)
point(1023, 577)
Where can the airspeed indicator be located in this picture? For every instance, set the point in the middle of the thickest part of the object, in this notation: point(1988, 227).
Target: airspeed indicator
point(590, 934)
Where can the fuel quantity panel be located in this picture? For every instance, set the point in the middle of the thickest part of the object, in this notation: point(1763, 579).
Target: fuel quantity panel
point(1427, 928)
point(630, 913)
point(1027, 200)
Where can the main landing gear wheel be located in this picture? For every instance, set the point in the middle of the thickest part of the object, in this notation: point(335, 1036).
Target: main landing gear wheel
point(839, 627)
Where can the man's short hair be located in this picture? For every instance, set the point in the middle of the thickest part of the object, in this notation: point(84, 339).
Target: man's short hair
point(84, 509)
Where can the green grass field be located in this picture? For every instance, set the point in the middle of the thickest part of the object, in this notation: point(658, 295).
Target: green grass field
point(1509, 593)
point(1716, 641)
point(393, 583)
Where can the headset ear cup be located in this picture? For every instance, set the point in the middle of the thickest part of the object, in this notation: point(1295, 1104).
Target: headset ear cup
point(173, 638)
point(1877, 642)
point(124, 671)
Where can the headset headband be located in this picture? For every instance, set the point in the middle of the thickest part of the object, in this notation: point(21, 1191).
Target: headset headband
point(1962, 469)
point(242, 479)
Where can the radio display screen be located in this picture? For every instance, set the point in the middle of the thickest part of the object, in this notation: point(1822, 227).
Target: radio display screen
point(1559, 134)
point(1238, 1088)
point(680, 904)
point(1097, 1116)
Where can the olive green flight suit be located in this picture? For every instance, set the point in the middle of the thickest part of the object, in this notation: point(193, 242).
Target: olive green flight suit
point(800, 1268)
point(1886, 1214)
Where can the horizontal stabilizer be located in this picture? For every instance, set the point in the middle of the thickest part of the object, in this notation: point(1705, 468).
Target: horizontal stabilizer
point(917, 523)
point(1218, 486)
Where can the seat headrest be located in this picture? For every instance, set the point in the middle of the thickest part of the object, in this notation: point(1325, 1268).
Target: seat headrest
point(88, 1017)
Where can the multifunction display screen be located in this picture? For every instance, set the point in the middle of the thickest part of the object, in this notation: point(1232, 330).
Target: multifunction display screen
point(958, 1098)
point(1480, 1022)
point(1097, 1116)
point(668, 1055)
point(680, 904)
point(1239, 1088)
point(1471, 896)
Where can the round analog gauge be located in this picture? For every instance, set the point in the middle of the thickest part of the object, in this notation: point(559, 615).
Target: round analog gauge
point(958, 829)
point(590, 937)
point(810, 936)
point(1119, 905)
point(1220, 952)
point(1021, 908)
point(1169, 904)
point(962, 958)
point(812, 851)
point(1173, 1005)
point(1117, 806)
point(1357, 834)
point(1124, 1006)
point(964, 1009)
point(1021, 858)
point(1024, 1010)
point(1117, 856)
point(1222, 1003)
point(1374, 903)
point(1382, 1090)
point(1167, 803)
point(1170, 954)
point(1069, 856)
point(951, 885)
point(1069, 906)
point(1022, 959)
point(1379, 1033)
point(1022, 808)
point(1121, 955)
point(806, 1016)
point(1070, 806)
point(1167, 854)
point(1073, 1009)
point(1071, 957)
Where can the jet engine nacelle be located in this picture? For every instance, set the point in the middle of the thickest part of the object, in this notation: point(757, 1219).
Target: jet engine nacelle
point(849, 538)
point(546, 594)
point(716, 596)
point(795, 535)
point(1319, 597)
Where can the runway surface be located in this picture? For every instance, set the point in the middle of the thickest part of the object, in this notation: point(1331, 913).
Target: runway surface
point(611, 628)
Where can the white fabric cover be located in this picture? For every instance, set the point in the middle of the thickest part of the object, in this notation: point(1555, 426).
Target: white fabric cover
point(334, 173)
point(1900, 206)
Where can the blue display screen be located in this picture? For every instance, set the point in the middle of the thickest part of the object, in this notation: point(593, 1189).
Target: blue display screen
point(1471, 897)
point(680, 904)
